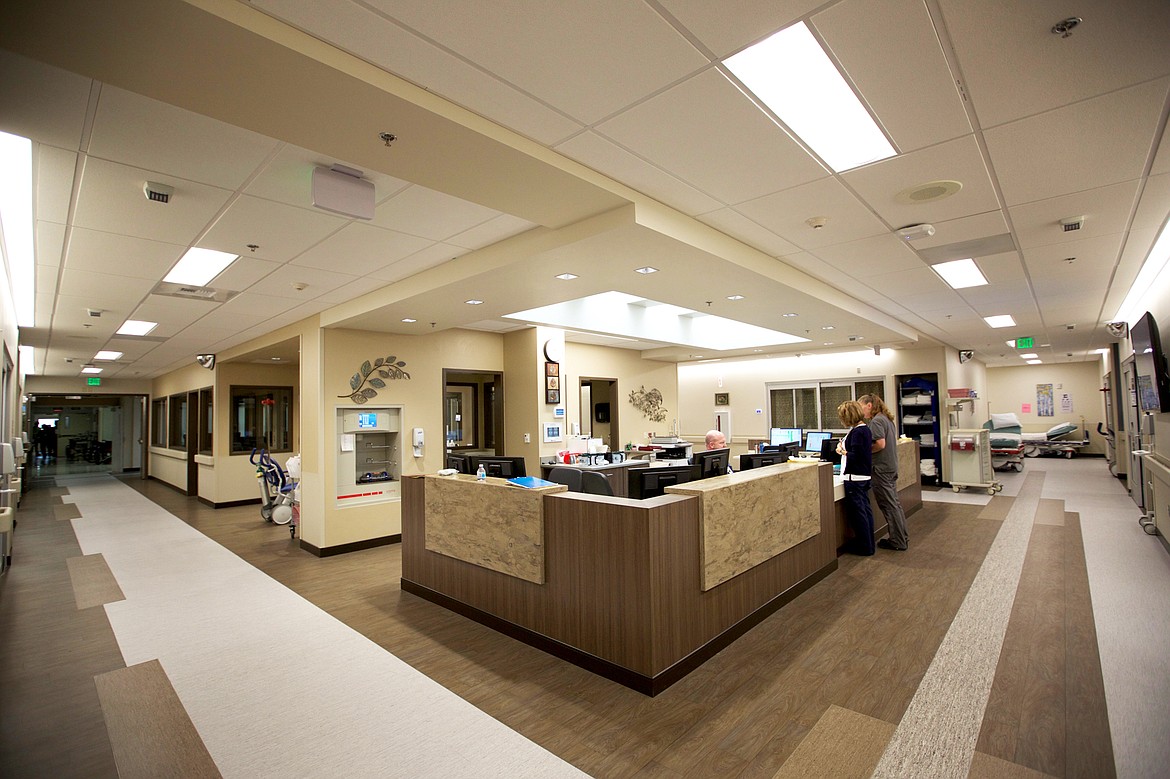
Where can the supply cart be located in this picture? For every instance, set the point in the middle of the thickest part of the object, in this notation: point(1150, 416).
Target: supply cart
point(970, 462)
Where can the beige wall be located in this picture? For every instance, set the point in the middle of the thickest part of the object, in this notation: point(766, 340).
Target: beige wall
point(631, 372)
point(1010, 388)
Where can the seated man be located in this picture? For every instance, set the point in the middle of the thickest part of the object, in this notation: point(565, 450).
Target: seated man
point(716, 440)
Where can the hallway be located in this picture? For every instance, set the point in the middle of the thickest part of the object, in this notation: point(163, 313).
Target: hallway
point(269, 685)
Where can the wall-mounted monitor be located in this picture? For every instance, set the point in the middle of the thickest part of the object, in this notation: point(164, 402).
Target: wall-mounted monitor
point(367, 420)
point(814, 440)
point(1149, 366)
point(786, 435)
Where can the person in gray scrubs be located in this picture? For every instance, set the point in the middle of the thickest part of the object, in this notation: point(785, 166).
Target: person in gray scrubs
point(885, 471)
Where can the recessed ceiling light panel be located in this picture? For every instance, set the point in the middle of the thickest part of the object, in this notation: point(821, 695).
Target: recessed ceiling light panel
point(136, 327)
point(566, 276)
point(1000, 320)
point(473, 302)
point(199, 266)
point(960, 274)
point(645, 270)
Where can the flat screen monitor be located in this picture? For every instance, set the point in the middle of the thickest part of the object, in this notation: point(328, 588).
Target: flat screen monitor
point(815, 439)
point(458, 462)
point(1149, 364)
point(786, 435)
point(498, 465)
point(651, 482)
point(712, 462)
point(791, 449)
point(367, 420)
point(829, 450)
point(759, 460)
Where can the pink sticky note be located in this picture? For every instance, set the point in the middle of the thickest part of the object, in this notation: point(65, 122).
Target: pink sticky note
point(1025, 408)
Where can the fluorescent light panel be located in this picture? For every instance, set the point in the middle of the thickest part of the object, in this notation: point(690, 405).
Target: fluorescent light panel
point(91, 369)
point(107, 355)
point(1002, 320)
point(960, 273)
point(1034, 362)
point(136, 327)
point(16, 214)
point(791, 74)
point(199, 266)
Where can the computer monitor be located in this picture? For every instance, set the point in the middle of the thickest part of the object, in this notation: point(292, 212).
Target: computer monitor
point(829, 451)
point(786, 435)
point(712, 462)
point(815, 439)
point(498, 465)
point(651, 482)
point(759, 460)
point(458, 462)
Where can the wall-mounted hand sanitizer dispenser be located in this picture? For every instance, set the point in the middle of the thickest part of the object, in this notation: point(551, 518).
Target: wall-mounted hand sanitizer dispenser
point(416, 440)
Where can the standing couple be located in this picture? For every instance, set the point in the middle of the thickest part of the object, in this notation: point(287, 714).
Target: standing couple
point(869, 458)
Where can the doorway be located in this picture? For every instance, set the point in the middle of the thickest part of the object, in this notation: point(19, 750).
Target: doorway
point(85, 434)
point(599, 411)
point(473, 412)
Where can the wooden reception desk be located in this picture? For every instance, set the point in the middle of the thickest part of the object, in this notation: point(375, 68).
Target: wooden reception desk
point(637, 591)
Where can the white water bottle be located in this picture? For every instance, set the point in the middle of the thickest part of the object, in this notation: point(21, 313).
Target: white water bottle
point(480, 473)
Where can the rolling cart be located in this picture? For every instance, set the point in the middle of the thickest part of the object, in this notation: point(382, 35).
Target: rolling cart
point(970, 461)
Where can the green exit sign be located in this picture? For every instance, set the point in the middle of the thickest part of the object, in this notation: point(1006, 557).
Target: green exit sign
point(1025, 343)
point(94, 381)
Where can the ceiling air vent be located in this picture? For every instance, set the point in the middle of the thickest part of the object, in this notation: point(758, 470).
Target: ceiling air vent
point(191, 292)
point(159, 193)
point(1071, 223)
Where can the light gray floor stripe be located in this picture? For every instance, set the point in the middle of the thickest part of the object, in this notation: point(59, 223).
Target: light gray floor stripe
point(936, 738)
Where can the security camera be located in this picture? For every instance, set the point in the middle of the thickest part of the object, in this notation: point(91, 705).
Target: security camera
point(205, 360)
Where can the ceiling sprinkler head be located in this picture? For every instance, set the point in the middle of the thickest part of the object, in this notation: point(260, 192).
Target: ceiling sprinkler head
point(1064, 27)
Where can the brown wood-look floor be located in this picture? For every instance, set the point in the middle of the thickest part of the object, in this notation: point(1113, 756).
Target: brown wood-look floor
point(861, 640)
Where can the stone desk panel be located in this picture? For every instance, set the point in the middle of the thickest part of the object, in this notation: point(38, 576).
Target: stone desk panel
point(492, 524)
point(750, 517)
point(907, 462)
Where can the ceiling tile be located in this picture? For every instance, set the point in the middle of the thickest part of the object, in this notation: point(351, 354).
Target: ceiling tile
point(739, 226)
point(879, 254)
point(54, 169)
point(148, 134)
point(1106, 210)
point(50, 242)
point(492, 231)
point(99, 251)
point(172, 314)
point(250, 304)
point(112, 200)
point(374, 38)
point(358, 249)
point(243, 273)
point(1100, 252)
point(281, 231)
point(785, 213)
point(429, 214)
point(725, 33)
point(105, 291)
point(883, 45)
point(280, 283)
point(594, 58)
point(599, 153)
point(1086, 145)
point(1015, 66)
point(1155, 202)
point(730, 150)
point(958, 160)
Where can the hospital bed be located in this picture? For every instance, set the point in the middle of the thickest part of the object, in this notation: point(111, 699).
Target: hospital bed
point(1007, 443)
point(1055, 441)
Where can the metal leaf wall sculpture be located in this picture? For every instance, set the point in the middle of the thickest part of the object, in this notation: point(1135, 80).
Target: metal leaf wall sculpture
point(649, 402)
point(372, 377)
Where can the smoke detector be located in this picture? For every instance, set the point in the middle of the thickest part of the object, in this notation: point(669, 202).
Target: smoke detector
point(1070, 223)
point(914, 232)
point(817, 222)
point(159, 193)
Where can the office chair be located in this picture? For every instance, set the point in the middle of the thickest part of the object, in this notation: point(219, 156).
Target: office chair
point(594, 483)
point(567, 476)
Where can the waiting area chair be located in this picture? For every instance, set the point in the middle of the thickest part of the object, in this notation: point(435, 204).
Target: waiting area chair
point(571, 477)
point(595, 483)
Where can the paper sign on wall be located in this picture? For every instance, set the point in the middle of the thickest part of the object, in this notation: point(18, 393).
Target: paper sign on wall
point(1025, 408)
point(1066, 403)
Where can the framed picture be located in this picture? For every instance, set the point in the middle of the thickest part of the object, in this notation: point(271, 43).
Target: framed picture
point(722, 399)
point(552, 382)
point(552, 396)
point(552, 369)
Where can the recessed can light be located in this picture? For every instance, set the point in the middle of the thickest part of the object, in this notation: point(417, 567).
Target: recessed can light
point(566, 276)
point(645, 269)
point(473, 302)
point(408, 320)
point(828, 327)
point(735, 297)
point(790, 313)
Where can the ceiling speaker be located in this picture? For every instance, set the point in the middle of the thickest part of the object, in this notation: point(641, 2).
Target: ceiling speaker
point(343, 191)
point(965, 355)
point(1117, 329)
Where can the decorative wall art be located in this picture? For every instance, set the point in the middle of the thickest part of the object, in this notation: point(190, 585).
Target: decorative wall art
point(552, 382)
point(722, 399)
point(552, 396)
point(372, 377)
point(649, 402)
